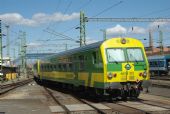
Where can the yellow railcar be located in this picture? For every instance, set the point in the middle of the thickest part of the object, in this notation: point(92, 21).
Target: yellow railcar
point(115, 67)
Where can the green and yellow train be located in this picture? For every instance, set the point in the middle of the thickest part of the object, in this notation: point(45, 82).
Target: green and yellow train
point(117, 67)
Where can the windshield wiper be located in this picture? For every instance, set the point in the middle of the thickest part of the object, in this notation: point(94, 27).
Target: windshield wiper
point(113, 59)
point(134, 58)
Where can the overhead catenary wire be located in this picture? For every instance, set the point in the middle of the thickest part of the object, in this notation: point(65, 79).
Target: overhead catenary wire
point(155, 12)
point(84, 5)
point(13, 41)
point(80, 8)
point(59, 34)
point(68, 6)
point(58, 5)
point(106, 9)
point(101, 12)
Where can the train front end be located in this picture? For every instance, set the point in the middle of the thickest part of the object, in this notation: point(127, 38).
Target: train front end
point(126, 69)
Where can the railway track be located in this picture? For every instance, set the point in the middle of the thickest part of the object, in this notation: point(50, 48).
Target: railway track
point(71, 104)
point(166, 78)
point(67, 104)
point(161, 83)
point(7, 87)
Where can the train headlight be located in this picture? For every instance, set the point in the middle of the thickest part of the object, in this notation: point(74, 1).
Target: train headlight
point(141, 74)
point(109, 75)
point(145, 74)
point(123, 41)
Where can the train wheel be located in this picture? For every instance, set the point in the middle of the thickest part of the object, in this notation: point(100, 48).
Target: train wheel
point(123, 95)
point(134, 93)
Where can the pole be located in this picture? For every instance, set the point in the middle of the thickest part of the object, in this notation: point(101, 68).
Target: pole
point(14, 53)
point(22, 60)
point(25, 47)
point(20, 53)
point(151, 40)
point(24, 54)
point(7, 42)
point(1, 60)
point(161, 41)
point(82, 29)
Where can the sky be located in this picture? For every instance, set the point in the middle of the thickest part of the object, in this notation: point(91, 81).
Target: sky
point(44, 20)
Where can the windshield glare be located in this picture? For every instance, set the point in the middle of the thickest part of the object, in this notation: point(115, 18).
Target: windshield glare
point(118, 55)
point(115, 55)
point(135, 54)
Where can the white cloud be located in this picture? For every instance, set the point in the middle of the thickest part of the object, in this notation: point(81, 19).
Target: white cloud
point(34, 45)
point(137, 30)
point(37, 19)
point(162, 23)
point(155, 24)
point(118, 29)
point(90, 40)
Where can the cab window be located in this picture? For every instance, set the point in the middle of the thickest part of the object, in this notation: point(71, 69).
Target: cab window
point(115, 55)
point(135, 54)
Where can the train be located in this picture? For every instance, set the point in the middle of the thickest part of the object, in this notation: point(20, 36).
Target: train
point(8, 73)
point(116, 67)
point(159, 64)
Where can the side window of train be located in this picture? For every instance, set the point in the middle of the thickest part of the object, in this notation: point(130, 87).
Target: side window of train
point(55, 67)
point(59, 67)
point(64, 67)
point(52, 68)
point(151, 64)
point(81, 63)
point(70, 67)
point(161, 63)
point(42, 67)
point(100, 61)
point(94, 57)
point(47, 67)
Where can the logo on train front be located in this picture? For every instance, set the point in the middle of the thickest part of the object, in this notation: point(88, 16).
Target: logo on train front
point(127, 66)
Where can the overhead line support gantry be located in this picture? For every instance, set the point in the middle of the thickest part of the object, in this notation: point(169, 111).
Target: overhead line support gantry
point(84, 19)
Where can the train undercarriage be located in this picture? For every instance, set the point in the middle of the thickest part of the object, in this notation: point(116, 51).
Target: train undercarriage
point(122, 91)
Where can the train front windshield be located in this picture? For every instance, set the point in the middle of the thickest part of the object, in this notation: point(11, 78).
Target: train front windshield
point(135, 54)
point(118, 55)
point(115, 55)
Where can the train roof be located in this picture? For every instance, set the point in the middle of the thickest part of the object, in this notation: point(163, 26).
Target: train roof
point(79, 49)
point(75, 50)
point(159, 57)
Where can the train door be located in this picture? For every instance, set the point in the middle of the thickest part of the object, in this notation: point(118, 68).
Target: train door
point(75, 66)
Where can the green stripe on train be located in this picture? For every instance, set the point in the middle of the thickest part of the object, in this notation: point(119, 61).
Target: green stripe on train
point(69, 81)
point(139, 66)
point(118, 66)
point(114, 67)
